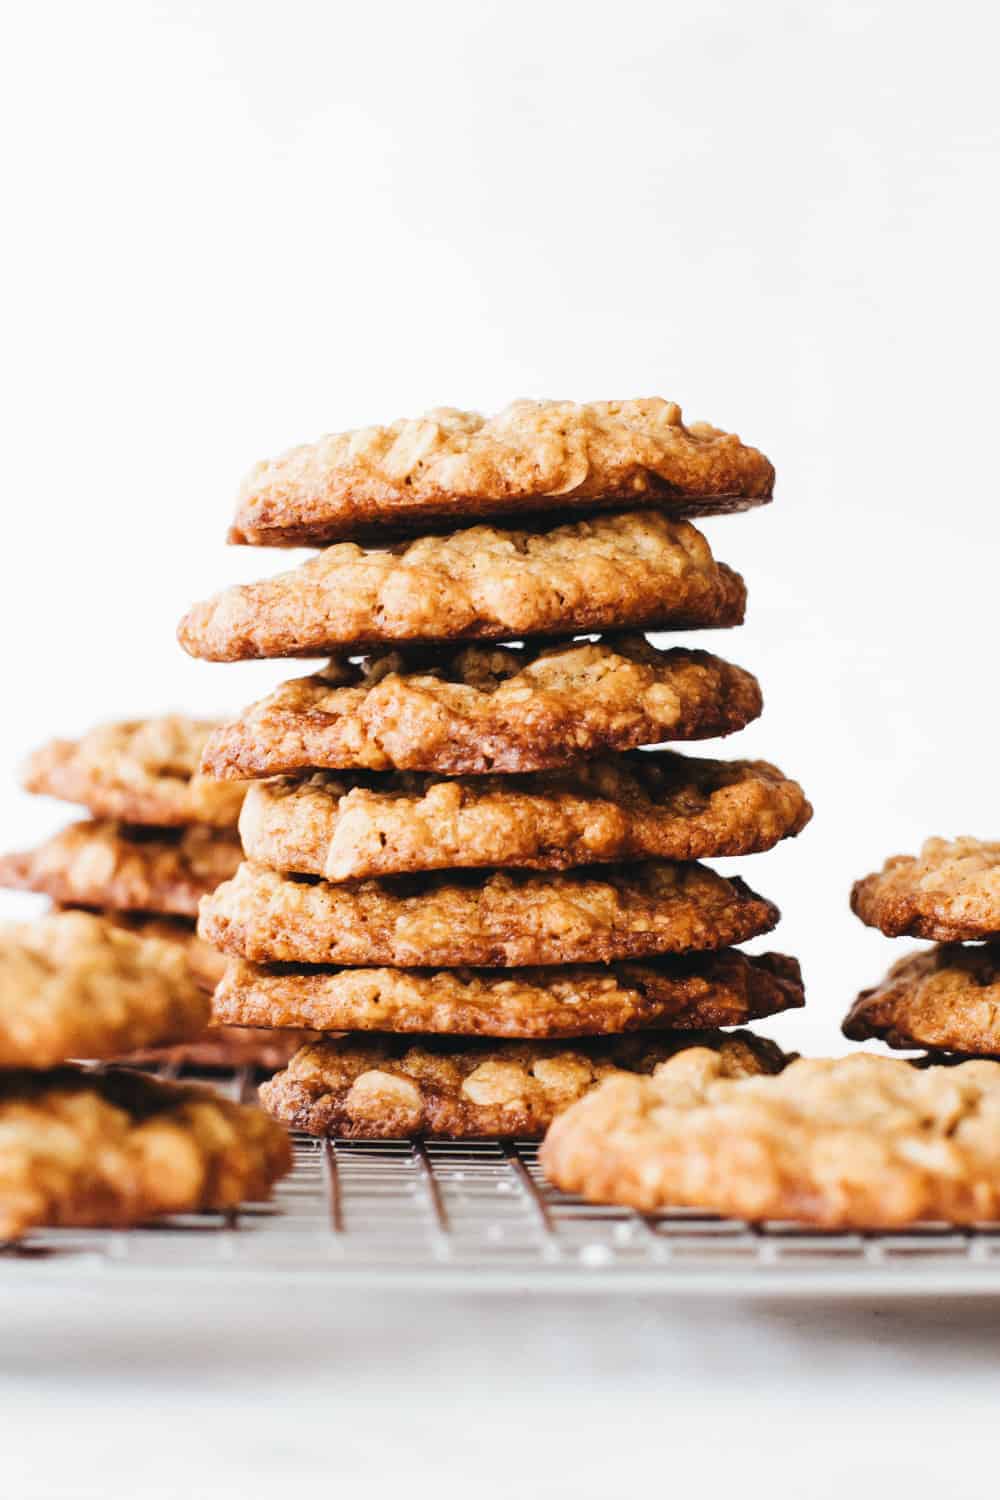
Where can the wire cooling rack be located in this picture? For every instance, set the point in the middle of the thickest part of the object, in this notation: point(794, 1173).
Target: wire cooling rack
point(460, 1216)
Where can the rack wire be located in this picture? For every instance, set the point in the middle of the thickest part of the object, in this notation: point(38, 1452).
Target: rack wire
point(480, 1216)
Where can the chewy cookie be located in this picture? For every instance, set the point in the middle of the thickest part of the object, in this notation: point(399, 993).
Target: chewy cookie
point(388, 1087)
point(639, 805)
point(117, 1148)
point(510, 708)
point(639, 571)
point(698, 992)
point(482, 919)
point(163, 870)
point(949, 893)
point(140, 771)
point(857, 1142)
point(207, 965)
point(450, 467)
point(946, 999)
point(75, 985)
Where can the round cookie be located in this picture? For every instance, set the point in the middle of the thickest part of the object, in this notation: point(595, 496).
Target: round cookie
point(452, 467)
point(162, 870)
point(698, 992)
point(858, 1142)
point(949, 893)
point(75, 985)
point(479, 709)
point(117, 1148)
point(482, 919)
point(944, 999)
point(639, 571)
point(386, 1087)
point(138, 771)
point(638, 805)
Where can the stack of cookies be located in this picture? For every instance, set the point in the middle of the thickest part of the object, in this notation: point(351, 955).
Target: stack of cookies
point(944, 999)
point(456, 851)
point(116, 1147)
point(159, 837)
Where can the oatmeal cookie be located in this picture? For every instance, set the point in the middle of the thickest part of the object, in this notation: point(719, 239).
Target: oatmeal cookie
point(638, 805)
point(482, 920)
point(510, 708)
point(118, 1148)
point(387, 1087)
point(856, 1142)
point(141, 771)
point(690, 992)
point(450, 467)
point(163, 870)
point(949, 892)
point(74, 985)
point(945, 999)
point(638, 571)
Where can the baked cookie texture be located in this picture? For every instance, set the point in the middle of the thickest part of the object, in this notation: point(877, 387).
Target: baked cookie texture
point(450, 466)
point(207, 964)
point(479, 709)
point(482, 919)
point(639, 805)
point(638, 571)
point(692, 992)
point(75, 985)
point(138, 771)
point(96, 864)
point(858, 1142)
point(944, 999)
point(118, 1148)
point(949, 892)
point(388, 1087)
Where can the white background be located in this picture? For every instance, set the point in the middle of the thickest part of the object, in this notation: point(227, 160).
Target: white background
point(232, 226)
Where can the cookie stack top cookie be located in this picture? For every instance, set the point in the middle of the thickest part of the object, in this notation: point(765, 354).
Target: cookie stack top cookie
point(439, 817)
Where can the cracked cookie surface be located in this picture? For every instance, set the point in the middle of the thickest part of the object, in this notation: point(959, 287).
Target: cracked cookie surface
point(698, 992)
point(95, 864)
point(479, 709)
point(949, 892)
point(482, 919)
point(638, 805)
point(116, 1148)
point(857, 1142)
point(450, 466)
point(638, 571)
point(389, 1087)
point(75, 985)
point(137, 771)
point(944, 999)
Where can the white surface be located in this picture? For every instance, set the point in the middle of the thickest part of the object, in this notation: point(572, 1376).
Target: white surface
point(232, 226)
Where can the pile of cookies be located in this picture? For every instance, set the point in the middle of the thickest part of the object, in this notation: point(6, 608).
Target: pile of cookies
point(947, 998)
point(113, 1147)
point(456, 851)
point(158, 838)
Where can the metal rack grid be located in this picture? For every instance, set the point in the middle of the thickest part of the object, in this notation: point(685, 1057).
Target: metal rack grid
point(479, 1216)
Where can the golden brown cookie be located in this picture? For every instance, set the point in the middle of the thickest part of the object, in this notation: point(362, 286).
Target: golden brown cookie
point(949, 892)
point(640, 805)
point(510, 708)
point(856, 1142)
point(118, 1148)
point(638, 571)
point(118, 865)
point(207, 965)
point(449, 467)
point(482, 919)
point(946, 999)
point(75, 985)
point(387, 1087)
point(141, 771)
point(693, 992)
